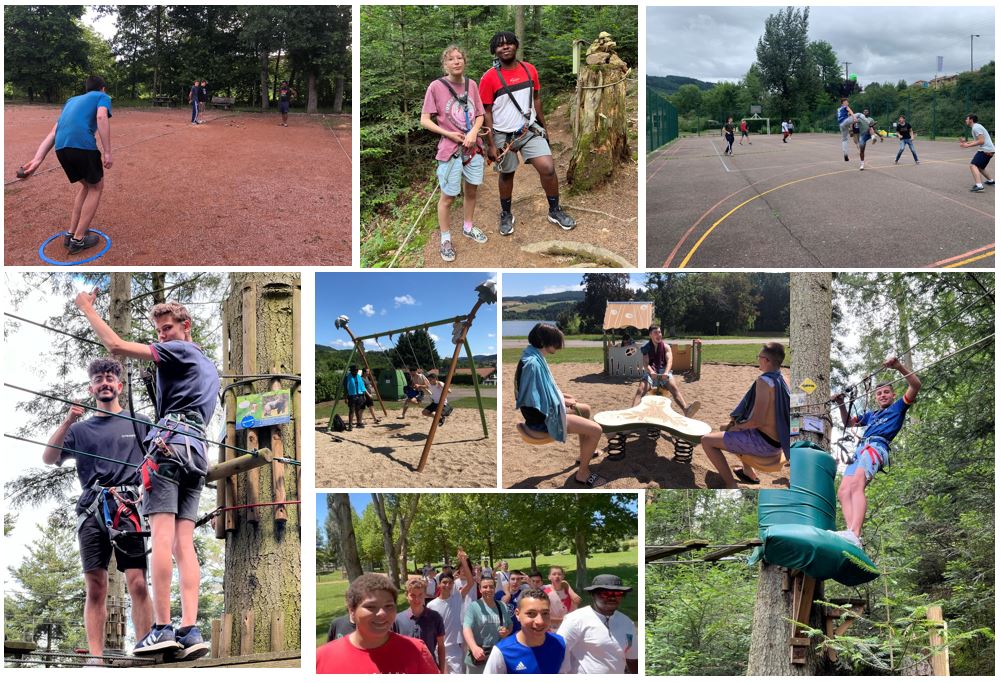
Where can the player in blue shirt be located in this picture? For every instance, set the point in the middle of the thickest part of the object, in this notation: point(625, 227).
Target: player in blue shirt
point(187, 384)
point(846, 118)
point(76, 149)
point(873, 452)
point(534, 649)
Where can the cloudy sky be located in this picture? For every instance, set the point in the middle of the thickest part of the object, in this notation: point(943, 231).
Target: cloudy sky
point(883, 44)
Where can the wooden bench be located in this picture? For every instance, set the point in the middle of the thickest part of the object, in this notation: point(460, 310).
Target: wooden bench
point(162, 101)
point(224, 102)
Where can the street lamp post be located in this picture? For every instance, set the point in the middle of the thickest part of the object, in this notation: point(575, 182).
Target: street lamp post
point(972, 36)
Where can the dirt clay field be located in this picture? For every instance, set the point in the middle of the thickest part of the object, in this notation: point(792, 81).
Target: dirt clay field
point(236, 190)
point(648, 462)
point(386, 455)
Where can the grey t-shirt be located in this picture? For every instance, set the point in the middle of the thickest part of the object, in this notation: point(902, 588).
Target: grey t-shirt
point(111, 437)
point(978, 130)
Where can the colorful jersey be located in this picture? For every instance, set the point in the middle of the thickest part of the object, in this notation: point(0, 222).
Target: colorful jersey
point(111, 437)
point(398, 655)
point(511, 657)
point(522, 87)
point(78, 120)
point(885, 423)
point(842, 114)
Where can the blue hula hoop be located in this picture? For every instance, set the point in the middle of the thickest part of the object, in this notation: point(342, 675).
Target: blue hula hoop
point(41, 250)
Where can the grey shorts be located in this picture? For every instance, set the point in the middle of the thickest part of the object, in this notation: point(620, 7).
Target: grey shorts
point(173, 490)
point(537, 146)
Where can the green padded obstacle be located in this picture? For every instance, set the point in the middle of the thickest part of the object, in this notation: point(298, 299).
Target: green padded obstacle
point(391, 384)
point(796, 524)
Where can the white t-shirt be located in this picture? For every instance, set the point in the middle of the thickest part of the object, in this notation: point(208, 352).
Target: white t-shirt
point(432, 587)
point(451, 613)
point(785, 127)
point(978, 130)
point(597, 647)
point(436, 391)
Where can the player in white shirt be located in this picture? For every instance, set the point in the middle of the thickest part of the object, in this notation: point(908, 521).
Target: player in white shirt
point(599, 638)
point(450, 605)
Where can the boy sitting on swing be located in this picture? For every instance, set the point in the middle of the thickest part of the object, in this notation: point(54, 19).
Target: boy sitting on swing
point(436, 387)
point(417, 384)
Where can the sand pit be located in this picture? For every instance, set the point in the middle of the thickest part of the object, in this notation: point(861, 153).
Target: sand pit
point(648, 462)
point(386, 455)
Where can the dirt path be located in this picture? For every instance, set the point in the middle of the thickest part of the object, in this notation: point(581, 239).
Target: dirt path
point(606, 232)
point(648, 462)
point(386, 455)
point(238, 191)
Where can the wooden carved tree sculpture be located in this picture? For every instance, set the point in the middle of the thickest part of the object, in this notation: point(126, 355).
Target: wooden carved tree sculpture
point(262, 580)
point(600, 129)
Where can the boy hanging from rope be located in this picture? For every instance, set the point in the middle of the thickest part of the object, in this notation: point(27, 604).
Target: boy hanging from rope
point(457, 118)
point(873, 452)
point(173, 474)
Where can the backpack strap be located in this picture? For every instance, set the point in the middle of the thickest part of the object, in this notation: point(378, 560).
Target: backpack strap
point(507, 91)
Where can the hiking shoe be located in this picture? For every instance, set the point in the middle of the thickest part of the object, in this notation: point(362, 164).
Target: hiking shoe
point(506, 223)
point(975, 188)
point(446, 252)
point(560, 218)
point(192, 644)
point(159, 639)
point(476, 235)
point(89, 241)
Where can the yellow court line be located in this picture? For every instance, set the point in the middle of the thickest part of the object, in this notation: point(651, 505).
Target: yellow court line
point(969, 260)
point(695, 247)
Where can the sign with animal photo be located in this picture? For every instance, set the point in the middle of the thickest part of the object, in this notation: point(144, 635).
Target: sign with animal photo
point(264, 409)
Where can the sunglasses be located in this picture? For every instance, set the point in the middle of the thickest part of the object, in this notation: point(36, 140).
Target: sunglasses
point(610, 593)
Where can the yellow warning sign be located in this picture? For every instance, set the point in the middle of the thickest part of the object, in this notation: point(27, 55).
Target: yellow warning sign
point(808, 385)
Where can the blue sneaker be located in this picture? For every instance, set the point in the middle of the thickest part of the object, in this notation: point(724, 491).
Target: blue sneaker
point(158, 640)
point(192, 645)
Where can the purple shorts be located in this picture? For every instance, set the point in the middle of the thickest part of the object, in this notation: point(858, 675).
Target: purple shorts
point(749, 442)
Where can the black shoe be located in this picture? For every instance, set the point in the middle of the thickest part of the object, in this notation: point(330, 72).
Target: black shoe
point(846, 157)
point(987, 182)
point(975, 188)
point(506, 223)
point(66, 240)
point(560, 218)
point(89, 241)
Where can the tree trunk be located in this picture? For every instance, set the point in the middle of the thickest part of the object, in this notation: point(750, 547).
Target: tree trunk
point(810, 335)
point(519, 29)
point(120, 320)
point(263, 566)
point(264, 79)
point(900, 299)
point(580, 551)
point(311, 91)
point(338, 94)
point(770, 628)
point(346, 535)
point(601, 131)
point(157, 49)
point(393, 569)
point(278, 61)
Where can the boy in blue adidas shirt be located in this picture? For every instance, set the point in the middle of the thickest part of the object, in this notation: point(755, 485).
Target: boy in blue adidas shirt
point(76, 148)
point(187, 384)
point(534, 649)
point(873, 452)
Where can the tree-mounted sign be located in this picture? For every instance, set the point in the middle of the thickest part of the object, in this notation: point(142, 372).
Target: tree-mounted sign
point(264, 409)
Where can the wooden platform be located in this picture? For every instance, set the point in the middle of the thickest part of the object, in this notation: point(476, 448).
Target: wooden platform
point(261, 660)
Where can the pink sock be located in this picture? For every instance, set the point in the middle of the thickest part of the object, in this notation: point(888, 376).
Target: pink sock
point(467, 226)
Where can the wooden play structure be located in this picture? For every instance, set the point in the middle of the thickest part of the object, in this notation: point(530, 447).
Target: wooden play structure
point(486, 294)
point(628, 320)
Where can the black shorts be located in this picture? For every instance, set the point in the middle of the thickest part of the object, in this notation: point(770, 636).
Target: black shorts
point(95, 548)
point(981, 159)
point(357, 402)
point(81, 164)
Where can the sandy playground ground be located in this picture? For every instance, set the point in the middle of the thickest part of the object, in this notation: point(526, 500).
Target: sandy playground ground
point(648, 462)
point(386, 455)
point(238, 190)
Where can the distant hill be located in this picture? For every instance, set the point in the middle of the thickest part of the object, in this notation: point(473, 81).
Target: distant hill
point(668, 85)
point(328, 358)
point(540, 306)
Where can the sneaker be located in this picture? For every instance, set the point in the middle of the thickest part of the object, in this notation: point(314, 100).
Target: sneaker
point(917, 162)
point(441, 421)
point(861, 166)
point(849, 536)
point(977, 188)
point(506, 223)
point(988, 182)
point(159, 639)
point(446, 252)
point(560, 218)
point(846, 157)
point(192, 645)
point(89, 241)
point(66, 240)
point(896, 162)
point(476, 235)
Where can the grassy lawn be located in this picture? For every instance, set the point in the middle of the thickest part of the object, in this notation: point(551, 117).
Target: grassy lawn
point(739, 354)
point(330, 588)
point(464, 402)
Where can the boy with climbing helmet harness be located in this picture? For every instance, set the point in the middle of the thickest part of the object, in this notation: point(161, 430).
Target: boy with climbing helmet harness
point(107, 517)
point(174, 468)
point(452, 109)
point(873, 451)
point(512, 107)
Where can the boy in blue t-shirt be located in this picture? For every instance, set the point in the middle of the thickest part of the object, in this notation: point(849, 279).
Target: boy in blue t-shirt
point(534, 649)
point(873, 452)
point(187, 384)
point(76, 149)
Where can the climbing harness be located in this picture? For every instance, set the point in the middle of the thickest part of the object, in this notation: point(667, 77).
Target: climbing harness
point(117, 512)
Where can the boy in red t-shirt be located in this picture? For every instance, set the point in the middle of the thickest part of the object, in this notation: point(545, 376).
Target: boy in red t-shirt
point(512, 110)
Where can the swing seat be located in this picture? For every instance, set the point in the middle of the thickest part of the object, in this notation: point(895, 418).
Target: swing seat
point(769, 464)
point(532, 437)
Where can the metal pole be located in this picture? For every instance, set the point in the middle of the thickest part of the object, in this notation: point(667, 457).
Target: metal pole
point(448, 383)
point(972, 36)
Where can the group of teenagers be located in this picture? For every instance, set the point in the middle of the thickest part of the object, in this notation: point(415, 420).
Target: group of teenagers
point(477, 619)
point(360, 391)
point(131, 467)
point(758, 430)
point(492, 122)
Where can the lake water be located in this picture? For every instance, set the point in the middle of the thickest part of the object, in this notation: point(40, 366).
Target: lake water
point(520, 328)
